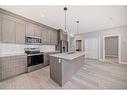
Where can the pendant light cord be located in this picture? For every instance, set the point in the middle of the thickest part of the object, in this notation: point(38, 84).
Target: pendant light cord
point(65, 19)
point(65, 9)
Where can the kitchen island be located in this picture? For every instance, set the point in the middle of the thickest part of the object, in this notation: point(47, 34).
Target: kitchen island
point(64, 65)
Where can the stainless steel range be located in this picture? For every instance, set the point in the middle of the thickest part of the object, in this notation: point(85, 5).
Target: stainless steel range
point(35, 59)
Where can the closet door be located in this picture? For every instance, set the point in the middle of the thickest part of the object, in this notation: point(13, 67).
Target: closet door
point(92, 48)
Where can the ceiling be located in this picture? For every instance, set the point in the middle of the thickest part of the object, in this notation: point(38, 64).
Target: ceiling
point(92, 18)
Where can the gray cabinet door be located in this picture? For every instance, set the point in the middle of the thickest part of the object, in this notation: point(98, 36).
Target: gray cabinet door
point(37, 31)
point(12, 66)
point(8, 30)
point(45, 36)
point(20, 33)
point(30, 28)
point(48, 38)
point(54, 37)
point(46, 59)
point(0, 29)
point(63, 36)
point(51, 37)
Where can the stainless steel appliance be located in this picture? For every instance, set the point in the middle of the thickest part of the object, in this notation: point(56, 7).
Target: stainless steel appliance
point(32, 40)
point(63, 46)
point(35, 59)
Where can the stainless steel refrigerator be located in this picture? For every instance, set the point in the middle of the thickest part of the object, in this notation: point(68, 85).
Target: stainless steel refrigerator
point(63, 46)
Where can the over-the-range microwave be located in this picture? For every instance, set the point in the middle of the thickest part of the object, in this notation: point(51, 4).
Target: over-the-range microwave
point(32, 40)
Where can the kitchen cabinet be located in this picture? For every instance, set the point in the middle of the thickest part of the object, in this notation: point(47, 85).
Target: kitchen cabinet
point(37, 31)
point(0, 28)
point(44, 36)
point(8, 30)
point(12, 66)
point(30, 29)
point(20, 33)
point(62, 35)
point(47, 57)
point(49, 37)
point(48, 32)
point(53, 37)
point(14, 28)
point(33, 30)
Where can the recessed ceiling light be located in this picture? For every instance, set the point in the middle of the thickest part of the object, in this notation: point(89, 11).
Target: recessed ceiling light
point(42, 15)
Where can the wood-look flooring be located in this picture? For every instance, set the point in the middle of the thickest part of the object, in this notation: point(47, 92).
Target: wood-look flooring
point(93, 75)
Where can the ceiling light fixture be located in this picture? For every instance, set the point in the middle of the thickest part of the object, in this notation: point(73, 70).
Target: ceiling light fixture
point(65, 28)
point(42, 15)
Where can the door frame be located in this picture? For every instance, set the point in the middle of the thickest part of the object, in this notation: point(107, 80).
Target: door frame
point(82, 41)
point(119, 46)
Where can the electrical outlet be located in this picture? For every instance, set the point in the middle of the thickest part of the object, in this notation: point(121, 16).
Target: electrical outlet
point(59, 60)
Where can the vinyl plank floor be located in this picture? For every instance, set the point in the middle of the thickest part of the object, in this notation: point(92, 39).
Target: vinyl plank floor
point(92, 75)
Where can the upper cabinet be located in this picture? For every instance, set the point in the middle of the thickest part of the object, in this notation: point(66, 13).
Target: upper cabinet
point(0, 28)
point(33, 30)
point(54, 37)
point(8, 29)
point(62, 35)
point(44, 36)
point(20, 32)
point(30, 28)
point(49, 37)
point(37, 31)
point(14, 28)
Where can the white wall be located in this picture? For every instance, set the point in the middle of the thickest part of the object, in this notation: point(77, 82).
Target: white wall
point(17, 48)
point(122, 30)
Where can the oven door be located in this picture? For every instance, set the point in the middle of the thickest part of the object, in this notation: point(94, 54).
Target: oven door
point(35, 60)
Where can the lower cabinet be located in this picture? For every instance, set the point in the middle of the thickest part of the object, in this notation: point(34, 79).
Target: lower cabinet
point(47, 57)
point(12, 66)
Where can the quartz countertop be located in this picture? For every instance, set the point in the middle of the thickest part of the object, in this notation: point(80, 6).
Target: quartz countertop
point(11, 54)
point(51, 51)
point(67, 56)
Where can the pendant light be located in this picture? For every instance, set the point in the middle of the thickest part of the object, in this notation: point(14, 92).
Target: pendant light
point(77, 27)
point(65, 28)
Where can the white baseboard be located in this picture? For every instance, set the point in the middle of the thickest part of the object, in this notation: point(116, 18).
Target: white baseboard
point(120, 62)
point(111, 56)
point(123, 63)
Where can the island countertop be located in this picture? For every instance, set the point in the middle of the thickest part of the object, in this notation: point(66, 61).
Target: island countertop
point(64, 65)
point(68, 56)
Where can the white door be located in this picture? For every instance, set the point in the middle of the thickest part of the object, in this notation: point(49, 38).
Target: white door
point(92, 48)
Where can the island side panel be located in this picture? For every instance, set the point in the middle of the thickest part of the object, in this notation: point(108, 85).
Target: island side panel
point(70, 67)
point(56, 70)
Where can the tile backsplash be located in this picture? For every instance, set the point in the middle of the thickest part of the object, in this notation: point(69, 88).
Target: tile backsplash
point(17, 48)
